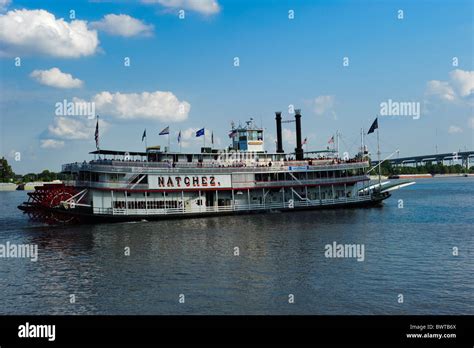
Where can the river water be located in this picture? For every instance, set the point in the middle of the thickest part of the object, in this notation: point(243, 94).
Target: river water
point(408, 250)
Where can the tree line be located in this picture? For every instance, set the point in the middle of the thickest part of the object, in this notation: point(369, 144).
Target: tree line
point(8, 175)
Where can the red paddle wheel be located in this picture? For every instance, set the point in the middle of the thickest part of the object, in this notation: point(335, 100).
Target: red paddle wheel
point(42, 201)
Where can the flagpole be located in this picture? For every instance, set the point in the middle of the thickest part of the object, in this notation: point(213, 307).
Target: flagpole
point(378, 155)
point(169, 146)
point(204, 136)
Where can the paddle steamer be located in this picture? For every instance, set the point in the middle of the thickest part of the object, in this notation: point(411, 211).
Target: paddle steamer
point(244, 178)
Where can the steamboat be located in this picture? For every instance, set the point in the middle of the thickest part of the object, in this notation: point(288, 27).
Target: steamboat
point(244, 178)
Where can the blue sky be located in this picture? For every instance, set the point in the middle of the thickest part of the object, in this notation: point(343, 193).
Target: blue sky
point(188, 64)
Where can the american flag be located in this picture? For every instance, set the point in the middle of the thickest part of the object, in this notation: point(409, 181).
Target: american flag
point(304, 141)
point(165, 131)
point(331, 141)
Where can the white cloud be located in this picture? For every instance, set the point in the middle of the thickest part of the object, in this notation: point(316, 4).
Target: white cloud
point(51, 144)
point(4, 4)
point(441, 89)
point(67, 128)
point(322, 104)
point(56, 78)
point(25, 32)
point(454, 129)
point(122, 25)
point(207, 7)
point(459, 87)
point(463, 82)
point(158, 105)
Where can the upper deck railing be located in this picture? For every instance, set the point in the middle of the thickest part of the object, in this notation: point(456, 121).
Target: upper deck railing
point(111, 166)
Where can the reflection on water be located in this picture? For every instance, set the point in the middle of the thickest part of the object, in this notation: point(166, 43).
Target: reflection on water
point(407, 251)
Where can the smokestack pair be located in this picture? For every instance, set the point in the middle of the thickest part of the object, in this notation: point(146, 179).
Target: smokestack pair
point(299, 154)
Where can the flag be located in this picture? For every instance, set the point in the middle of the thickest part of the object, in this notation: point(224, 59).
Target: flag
point(212, 138)
point(144, 135)
point(304, 141)
point(331, 141)
point(179, 137)
point(374, 126)
point(200, 132)
point(232, 133)
point(165, 131)
point(96, 135)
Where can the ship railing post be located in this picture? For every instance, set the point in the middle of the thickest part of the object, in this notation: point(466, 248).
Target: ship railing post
point(164, 202)
point(112, 200)
point(248, 199)
point(200, 202)
point(283, 194)
point(182, 201)
point(216, 205)
point(320, 200)
point(126, 203)
point(146, 203)
point(233, 199)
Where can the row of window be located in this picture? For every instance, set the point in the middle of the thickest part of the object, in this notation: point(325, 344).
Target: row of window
point(308, 175)
point(148, 205)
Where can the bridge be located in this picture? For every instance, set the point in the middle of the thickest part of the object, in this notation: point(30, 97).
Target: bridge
point(464, 156)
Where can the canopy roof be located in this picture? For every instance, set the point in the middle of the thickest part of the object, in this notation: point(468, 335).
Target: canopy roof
point(118, 153)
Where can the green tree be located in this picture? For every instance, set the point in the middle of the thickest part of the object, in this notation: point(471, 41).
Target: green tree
point(6, 172)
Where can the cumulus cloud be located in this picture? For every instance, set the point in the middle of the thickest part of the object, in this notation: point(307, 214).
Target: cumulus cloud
point(207, 7)
point(56, 78)
point(67, 128)
point(323, 104)
point(454, 129)
point(463, 82)
point(51, 144)
point(122, 25)
point(158, 105)
point(24, 32)
point(460, 86)
point(441, 89)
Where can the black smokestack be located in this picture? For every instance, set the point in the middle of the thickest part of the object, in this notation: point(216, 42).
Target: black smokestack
point(279, 137)
point(299, 154)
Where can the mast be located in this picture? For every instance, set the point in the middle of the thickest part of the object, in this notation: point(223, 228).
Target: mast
point(378, 155)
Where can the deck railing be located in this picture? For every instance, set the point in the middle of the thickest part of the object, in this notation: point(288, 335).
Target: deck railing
point(183, 168)
point(231, 208)
point(114, 185)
